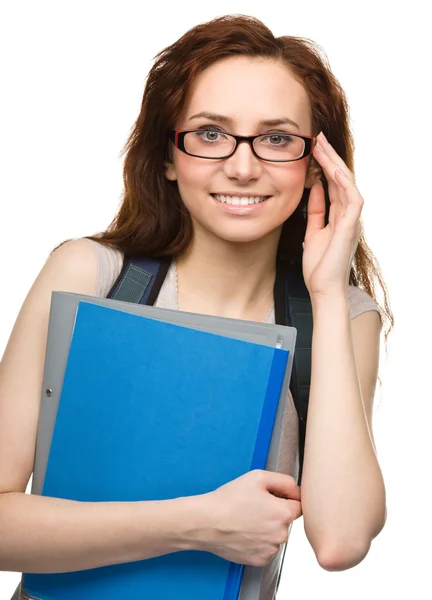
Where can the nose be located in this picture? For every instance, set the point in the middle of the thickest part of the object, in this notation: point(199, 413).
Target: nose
point(243, 165)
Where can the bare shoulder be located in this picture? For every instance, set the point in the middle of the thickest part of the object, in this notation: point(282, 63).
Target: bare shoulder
point(71, 268)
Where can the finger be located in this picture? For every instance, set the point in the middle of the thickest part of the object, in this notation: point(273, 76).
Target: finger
point(333, 155)
point(354, 200)
point(342, 187)
point(329, 169)
point(281, 485)
point(292, 508)
point(327, 164)
point(295, 509)
point(316, 209)
point(330, 161)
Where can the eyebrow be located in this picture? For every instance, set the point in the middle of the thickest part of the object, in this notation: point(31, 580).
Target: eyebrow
point(222, 119)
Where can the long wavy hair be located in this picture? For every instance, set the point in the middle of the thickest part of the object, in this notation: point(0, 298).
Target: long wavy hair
point(152, 219)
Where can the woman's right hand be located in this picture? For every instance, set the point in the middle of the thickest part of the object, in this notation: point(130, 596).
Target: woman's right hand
point(250, 516)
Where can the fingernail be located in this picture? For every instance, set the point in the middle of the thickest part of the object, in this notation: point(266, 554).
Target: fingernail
point(323, 136)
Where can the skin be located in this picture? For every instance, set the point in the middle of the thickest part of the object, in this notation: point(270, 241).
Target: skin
point(343, 494)
point(225, 89)
point(244, 521)
point(232, 256)
point(238, 246)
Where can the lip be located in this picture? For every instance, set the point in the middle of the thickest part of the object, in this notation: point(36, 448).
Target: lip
point(241, 194)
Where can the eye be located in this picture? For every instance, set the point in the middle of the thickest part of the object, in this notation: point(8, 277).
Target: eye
point(210, 134)
point(277, 139)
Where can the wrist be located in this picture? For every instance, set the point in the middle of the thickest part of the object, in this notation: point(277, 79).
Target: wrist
point(331, 302)
point(189, 523)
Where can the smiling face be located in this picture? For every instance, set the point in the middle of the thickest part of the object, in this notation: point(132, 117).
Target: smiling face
point(240, 95)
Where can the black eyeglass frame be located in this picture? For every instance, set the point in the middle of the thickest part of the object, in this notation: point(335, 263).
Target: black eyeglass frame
point(177, 136)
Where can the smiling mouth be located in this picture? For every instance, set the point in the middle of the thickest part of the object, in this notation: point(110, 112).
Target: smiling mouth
point(240, 200)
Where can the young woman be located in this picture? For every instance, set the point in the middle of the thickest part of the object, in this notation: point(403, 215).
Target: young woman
point(241, 155)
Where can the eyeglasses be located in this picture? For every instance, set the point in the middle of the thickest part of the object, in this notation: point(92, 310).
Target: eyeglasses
point(214, 144)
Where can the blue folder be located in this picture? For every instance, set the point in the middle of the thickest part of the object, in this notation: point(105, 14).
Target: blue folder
point(150, 411)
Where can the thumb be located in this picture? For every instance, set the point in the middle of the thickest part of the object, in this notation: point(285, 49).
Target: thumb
point(281, 485)
point(316, 209)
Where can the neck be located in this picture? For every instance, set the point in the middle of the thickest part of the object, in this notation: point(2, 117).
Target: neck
point(228, 279)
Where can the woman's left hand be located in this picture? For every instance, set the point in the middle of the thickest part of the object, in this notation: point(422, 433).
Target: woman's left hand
point(329, 250)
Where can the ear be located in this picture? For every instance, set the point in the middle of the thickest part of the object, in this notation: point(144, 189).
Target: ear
point(314, 173)
point(170, 172)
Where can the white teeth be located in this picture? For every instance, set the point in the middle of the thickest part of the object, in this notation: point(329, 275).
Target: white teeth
point(242, 201)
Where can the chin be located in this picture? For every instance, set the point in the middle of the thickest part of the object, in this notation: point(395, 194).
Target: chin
point(244, 235)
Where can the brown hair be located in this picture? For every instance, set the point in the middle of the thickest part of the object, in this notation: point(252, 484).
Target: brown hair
point(152, 219)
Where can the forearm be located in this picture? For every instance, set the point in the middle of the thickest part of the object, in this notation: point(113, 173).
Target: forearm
point(343, 494)
point(49, 535)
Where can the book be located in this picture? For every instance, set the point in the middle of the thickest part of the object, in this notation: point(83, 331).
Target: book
point(151, 410)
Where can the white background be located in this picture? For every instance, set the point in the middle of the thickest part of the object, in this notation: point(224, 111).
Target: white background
point(72, 77)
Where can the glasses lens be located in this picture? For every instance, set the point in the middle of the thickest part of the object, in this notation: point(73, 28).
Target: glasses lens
point(209, 144)
point(277, 146)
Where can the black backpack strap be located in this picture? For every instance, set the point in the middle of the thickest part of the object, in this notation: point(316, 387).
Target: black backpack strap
point(140, 280)
point(293, 308)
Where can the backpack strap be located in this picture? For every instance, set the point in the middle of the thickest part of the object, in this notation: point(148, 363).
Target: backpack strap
point(140, 280)
point(293, 308)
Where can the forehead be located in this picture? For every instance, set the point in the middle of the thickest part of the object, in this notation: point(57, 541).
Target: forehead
point(249, 90)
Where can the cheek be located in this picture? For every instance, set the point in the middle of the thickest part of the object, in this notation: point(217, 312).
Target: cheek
point(193, 172)
point(293, 176)
point(290, 182)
